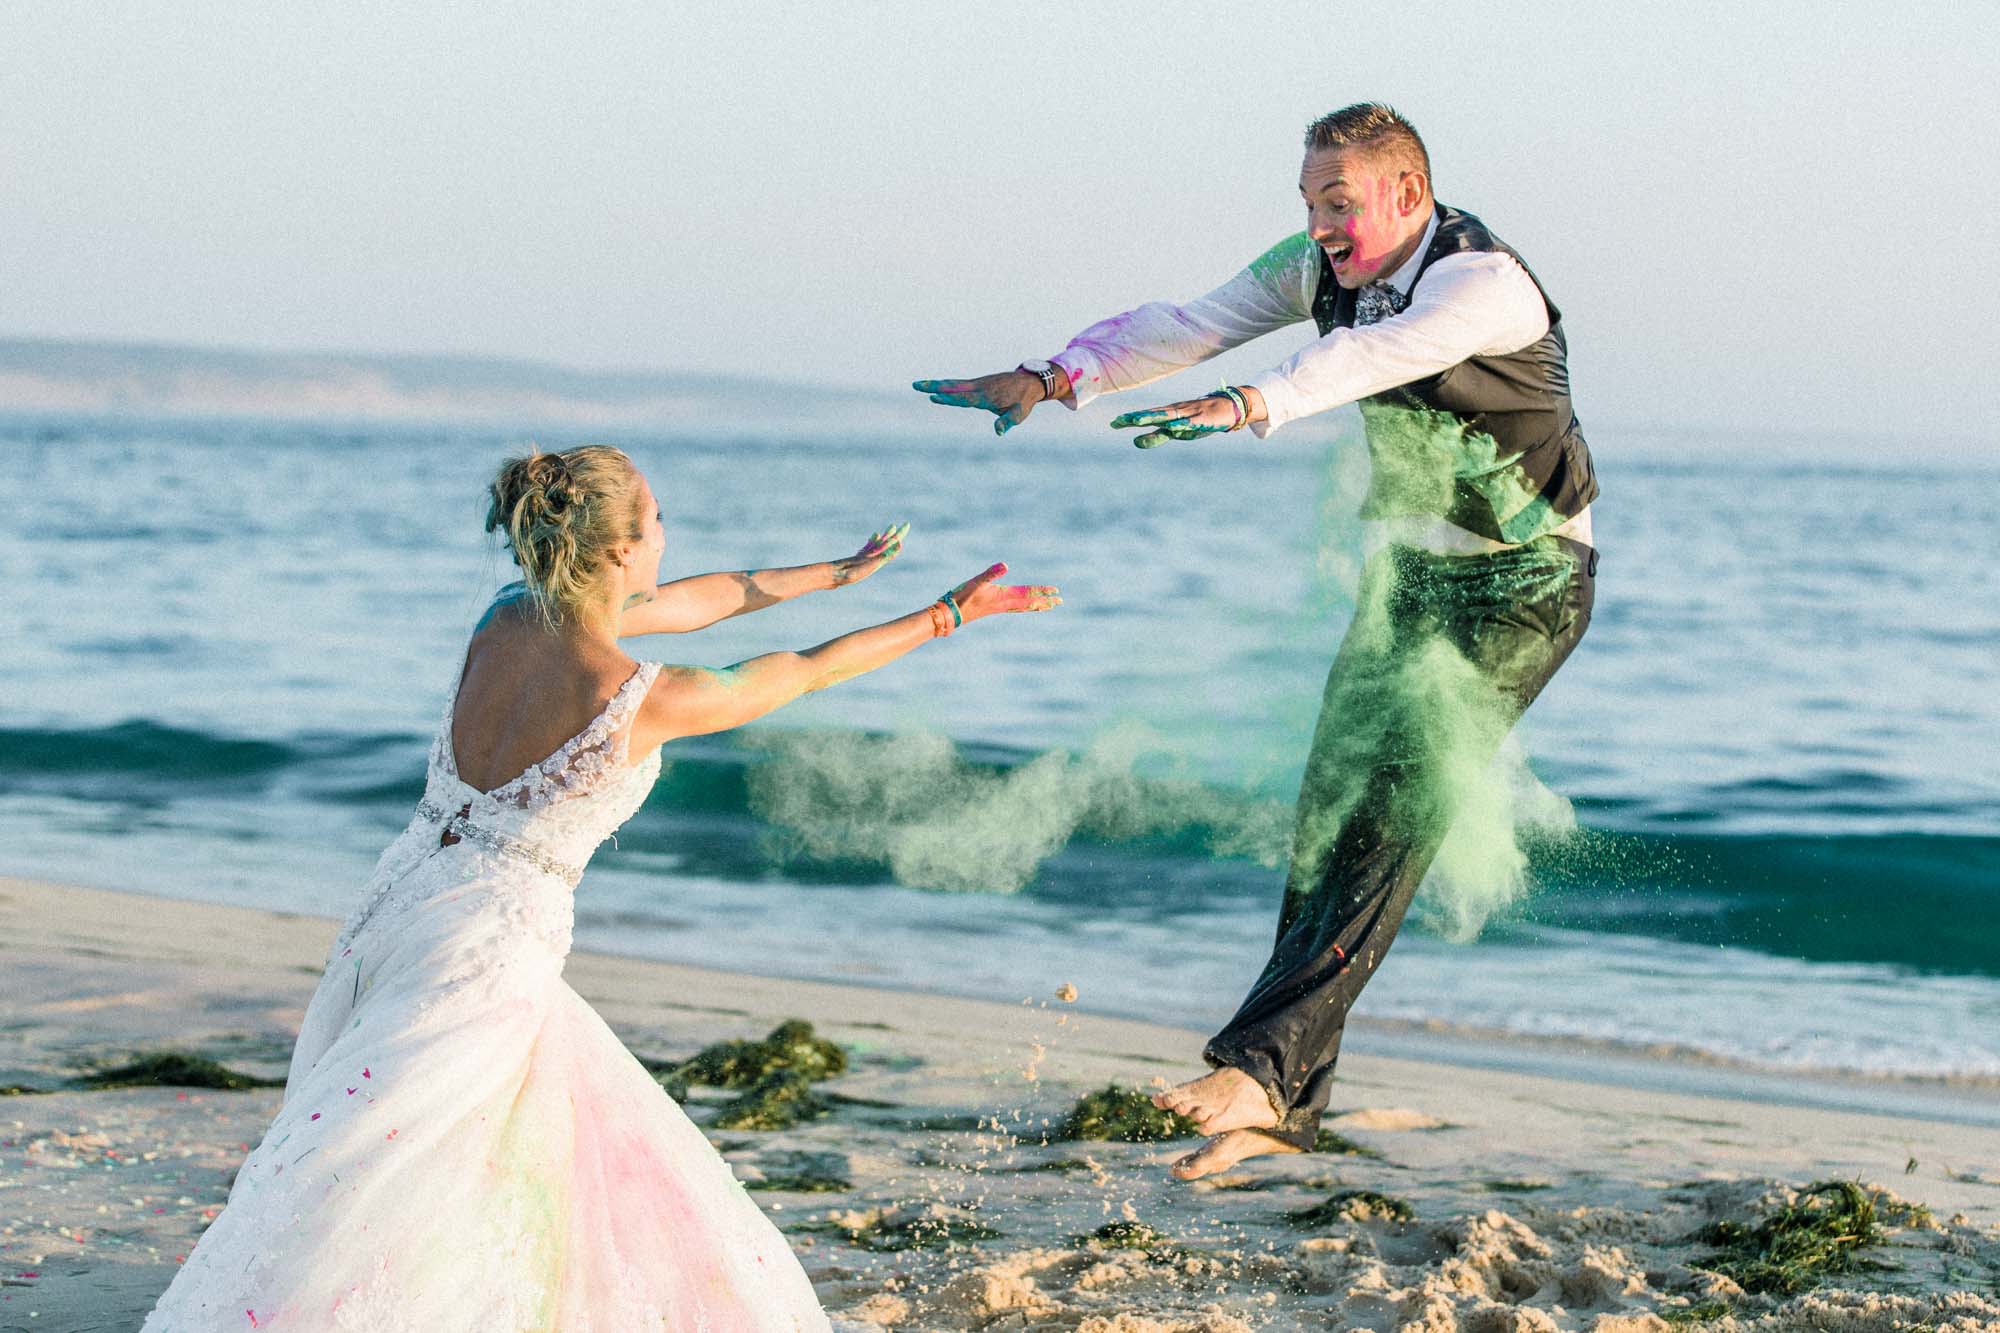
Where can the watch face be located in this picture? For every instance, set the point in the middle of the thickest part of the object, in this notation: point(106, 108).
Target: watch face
point(1037, 367)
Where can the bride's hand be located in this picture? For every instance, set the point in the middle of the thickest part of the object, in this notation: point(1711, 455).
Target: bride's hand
point(981, 596)
point(876, 552)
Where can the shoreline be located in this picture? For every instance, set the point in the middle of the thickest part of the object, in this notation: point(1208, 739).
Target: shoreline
point(1525, 1200)
point(1958, 1099)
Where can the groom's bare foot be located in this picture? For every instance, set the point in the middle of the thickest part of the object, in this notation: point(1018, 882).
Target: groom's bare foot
point(1220, 1101)
point(1226, 1150)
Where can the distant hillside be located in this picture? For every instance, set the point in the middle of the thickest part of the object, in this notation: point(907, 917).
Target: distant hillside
point(157, 379)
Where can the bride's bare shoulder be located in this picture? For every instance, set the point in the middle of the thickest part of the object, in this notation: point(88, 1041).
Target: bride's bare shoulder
point(509, 601)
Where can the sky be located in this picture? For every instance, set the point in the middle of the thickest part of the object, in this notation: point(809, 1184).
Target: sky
point(1766, 218)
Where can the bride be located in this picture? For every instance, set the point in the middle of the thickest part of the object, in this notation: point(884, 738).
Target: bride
point(464, 1145)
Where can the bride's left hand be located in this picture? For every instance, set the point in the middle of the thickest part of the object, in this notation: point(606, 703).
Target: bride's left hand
point(876, 552)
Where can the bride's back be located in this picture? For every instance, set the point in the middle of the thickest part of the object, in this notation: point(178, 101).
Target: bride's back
point(544, 661)
point(526, 690)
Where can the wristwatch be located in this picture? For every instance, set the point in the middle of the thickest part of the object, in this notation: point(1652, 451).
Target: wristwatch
point(1046, 371)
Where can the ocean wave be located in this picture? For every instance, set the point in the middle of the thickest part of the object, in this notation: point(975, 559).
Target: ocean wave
point(1091, 832)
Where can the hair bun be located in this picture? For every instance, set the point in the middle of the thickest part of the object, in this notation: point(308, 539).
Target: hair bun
point(564, 515)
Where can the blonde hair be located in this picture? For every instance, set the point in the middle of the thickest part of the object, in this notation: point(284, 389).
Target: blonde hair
point(564, 515)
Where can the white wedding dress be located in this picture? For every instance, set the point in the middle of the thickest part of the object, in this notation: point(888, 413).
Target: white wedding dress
point(464, 1145)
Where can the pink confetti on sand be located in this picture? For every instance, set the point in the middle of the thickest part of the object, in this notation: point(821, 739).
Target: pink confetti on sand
point(253, 1319)
point(365, 1073)
point(350, 1092)
point(315, 1115)
point(391, 1134)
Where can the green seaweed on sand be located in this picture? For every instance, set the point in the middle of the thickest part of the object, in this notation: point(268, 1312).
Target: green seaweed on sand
point(803, 1182)
point(779, 1100)
point(1353, 1206)
point(174, 1069)
point(22, 1090)
point(1124, 1114)
point(1123, 1235)
point(1695, 1314)
point(1521, 1186)
point(791, 1048)
point(1796, 1246)
point(889, 1230)
point(1326, 1141)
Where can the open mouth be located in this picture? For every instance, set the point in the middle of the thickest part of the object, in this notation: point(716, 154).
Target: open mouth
point(1340, 254)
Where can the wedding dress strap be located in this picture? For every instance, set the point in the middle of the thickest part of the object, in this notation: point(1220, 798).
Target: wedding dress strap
point(625, 704)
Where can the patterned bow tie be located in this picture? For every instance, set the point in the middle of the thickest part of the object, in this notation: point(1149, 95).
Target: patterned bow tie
point(1378, 301)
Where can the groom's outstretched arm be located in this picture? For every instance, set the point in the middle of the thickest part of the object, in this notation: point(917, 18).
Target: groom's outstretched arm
point(701, 600)
point(1156, 339)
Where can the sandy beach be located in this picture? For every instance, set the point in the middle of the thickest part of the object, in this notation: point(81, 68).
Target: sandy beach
point(934, 1194)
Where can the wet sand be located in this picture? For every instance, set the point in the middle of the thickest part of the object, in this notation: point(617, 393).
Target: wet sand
point(1494, 1199)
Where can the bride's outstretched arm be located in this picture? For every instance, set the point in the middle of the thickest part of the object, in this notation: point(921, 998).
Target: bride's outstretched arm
point(701, 600)
point(694, 701)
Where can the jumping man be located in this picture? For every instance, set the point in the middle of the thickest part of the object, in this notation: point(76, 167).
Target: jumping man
point(1479, 585)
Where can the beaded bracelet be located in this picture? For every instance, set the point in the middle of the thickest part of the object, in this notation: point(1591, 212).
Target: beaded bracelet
point(1237, 401)
point(941, 624)
point(1237, 397)
point(957, 616)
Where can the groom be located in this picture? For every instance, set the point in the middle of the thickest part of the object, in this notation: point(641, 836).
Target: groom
point(1479, 585)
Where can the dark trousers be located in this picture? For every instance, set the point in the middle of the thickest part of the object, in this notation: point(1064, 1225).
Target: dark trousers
point(1443, 656)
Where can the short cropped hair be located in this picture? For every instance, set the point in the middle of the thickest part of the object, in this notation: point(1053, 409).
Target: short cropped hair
point(1375, 129)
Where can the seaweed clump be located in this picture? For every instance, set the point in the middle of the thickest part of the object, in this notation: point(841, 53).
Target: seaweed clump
point(909, 1227)
point(1797, 1246)
point(791, 1046)
point(175, 1069)
point(775, 1075)
point(1353, 1206)
point(777, 1101)
point(1326, 1141)
point(1126, 1115)
point(1122, 1235)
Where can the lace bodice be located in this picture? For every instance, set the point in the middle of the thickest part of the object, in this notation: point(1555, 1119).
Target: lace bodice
point(543, 824)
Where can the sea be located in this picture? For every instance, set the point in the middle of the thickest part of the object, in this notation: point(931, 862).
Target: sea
point(1758, 813)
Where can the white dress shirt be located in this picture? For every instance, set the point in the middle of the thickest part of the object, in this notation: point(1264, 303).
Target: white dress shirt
point(1472, 303)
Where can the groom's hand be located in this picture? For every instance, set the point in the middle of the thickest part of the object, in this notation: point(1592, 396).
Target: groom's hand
point(1009, 395)
point(1189, 420)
